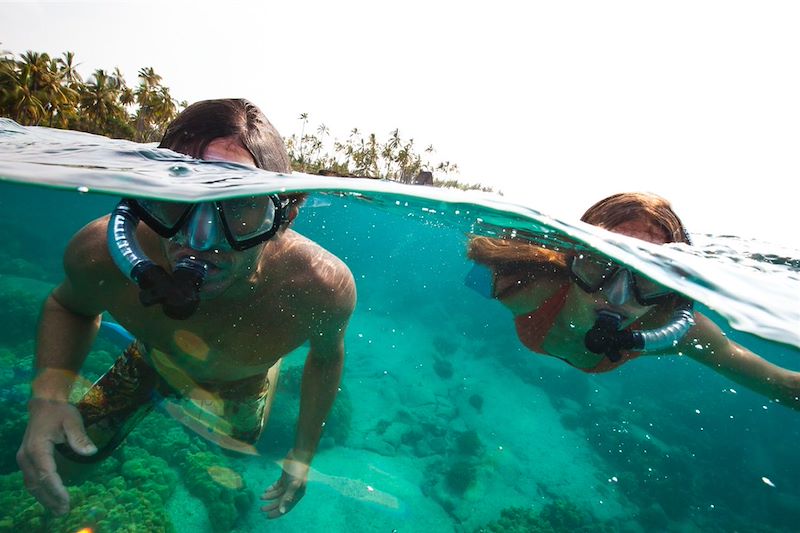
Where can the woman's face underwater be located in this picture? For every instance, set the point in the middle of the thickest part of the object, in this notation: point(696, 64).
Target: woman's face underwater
point(588, 304)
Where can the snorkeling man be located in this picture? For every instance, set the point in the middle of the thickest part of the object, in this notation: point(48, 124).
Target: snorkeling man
point(214, 293)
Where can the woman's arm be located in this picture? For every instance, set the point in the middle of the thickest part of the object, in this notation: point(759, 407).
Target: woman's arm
point(707, 344)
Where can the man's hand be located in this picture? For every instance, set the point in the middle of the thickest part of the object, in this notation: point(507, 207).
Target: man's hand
point(50, 422)
point(287, 491)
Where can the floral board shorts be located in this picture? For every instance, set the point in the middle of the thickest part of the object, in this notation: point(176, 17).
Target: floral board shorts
point(123, 397)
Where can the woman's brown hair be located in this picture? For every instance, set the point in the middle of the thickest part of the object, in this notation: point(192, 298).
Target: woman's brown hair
point(505, 256)
point(627, 206)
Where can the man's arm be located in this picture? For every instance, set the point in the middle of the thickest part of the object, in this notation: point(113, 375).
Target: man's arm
point(67, 326)
point(63, 340)
point(321, 377)
point(70, 317)
point(707, 344)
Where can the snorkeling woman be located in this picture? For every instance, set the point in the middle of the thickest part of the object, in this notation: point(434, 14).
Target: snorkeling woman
point(597, 315)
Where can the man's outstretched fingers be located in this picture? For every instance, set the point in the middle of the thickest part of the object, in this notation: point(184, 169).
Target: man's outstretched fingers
point(288, 500)
point(48, 479)
point(272, 492)
point(54, 490)
point(272, 509)
point(41, 479)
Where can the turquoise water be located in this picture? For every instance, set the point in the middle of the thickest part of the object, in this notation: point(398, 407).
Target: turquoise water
point(445, 421)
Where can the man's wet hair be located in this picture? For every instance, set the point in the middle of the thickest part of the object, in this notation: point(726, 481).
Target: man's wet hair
point(233, 118)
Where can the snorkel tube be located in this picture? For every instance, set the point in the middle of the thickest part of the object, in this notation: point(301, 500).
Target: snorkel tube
point(178, 292)
point(605, 337)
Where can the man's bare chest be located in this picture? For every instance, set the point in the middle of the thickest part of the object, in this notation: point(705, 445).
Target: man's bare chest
point(217, 344)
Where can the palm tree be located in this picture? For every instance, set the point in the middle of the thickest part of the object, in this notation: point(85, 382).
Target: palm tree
point(149, 77)
point(125, 94)
point(164, 111)
point(58, 98)
point(28, 109)
point(8, 82)
point(149, 98)
point(304, 118)
point(26, 85)
point(69, 72)
point(99, 101)
point(389, 151)
point(18, 97)
point(36, 65)
point(59, 89)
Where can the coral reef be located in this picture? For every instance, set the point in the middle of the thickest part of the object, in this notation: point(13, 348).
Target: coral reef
point(212, 478)
point(443, 368)
point(21, 302)
point(476, 401)
point(128, 491)
point(127, 503)
point(559, 516)
point(14, 378)
point(22, 255)
point(469, 443)
point(220, 486)
point(454, 473)
point(460, 475)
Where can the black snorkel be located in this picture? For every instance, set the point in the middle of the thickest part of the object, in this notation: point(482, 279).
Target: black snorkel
point(605, 336)
point(177, 292)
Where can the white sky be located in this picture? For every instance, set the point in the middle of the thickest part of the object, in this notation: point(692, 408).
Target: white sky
point(556, 103)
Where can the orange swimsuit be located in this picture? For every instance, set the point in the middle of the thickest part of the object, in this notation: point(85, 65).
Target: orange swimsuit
point(533, 327)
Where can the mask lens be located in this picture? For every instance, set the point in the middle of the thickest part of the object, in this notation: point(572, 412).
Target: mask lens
point(249, 217)
point(168, 214)
point(592, 271)
point(649, 290)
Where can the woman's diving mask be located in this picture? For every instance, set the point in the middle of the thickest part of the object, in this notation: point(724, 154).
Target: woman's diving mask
point(592, 273)
point(243, 222)
point(606, 336)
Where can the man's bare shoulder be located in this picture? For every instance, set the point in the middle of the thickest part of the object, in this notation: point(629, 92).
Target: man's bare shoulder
point(321, 275)
point(87, 259)
point(92, 280)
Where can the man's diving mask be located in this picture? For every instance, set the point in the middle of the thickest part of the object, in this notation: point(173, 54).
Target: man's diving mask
point(246, 222)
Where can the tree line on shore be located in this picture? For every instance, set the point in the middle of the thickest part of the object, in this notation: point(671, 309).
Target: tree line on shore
point(37, 89)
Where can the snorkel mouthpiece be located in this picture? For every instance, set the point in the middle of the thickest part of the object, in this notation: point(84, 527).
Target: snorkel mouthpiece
point(606, 338)
point(178, 293)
